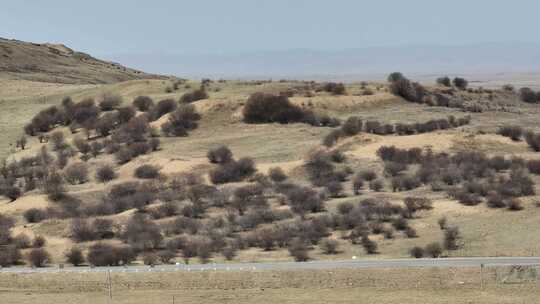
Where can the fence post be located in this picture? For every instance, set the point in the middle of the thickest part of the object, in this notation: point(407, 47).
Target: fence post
point(482, 276)
point(109, 283)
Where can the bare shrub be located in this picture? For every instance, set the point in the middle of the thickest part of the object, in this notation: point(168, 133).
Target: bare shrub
point(58, 140)
point(82, 231)
point(515, 204)
point(433, 250)
point(125, 114)
point(220, 155)
point(105, 173)
point(102, 254)
point(376, 185)
point(451, 238)
point(533, 140)
point(358, 183)
point(181, 121)
point(35, 215)
point(54, 186)
point(460, 83)
point(75, 256)
point(528, 95)
point(110, 102)
point(166, 256)
point(268, 108)
point(329, 246)
point(141, 233)
point(414, 204)
point(331, 138)
point(22, 241)
point(445, 81)
point(150, 258)
point(334, 88)
point(352, 126)
point(298, 249)
point(513, 132)
point(76, 173)
point(277, 175)
point(417, 252)
point(233, 171)
point(401, 86)
point(370, 246)
point(443, 222)
point(193, 96)
point(9, 255)
point(147, 171)
point(38, 257)
point(143, 103)
point(163, 107)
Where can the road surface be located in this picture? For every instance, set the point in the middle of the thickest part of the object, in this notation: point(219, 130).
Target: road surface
point(349, 264)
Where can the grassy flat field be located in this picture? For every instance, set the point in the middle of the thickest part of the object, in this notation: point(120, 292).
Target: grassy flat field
point(422, 285)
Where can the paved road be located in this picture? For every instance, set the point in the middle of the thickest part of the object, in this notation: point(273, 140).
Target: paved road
point(351, 264)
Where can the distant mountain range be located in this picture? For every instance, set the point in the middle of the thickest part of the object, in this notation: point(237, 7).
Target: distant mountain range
point(353, 64)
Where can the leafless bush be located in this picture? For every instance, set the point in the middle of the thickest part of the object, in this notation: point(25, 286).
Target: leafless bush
point(334, 88)
point(370, 246)
point(533, 140)
point(35, 215)
point(193, 96)
point(417, 252)
point(75, 256)
point(298, 249)
point(445, 81)
point(268, 108)
point(277, 175)
point(110, 102)
point(141, 233)
point(38, 257)
point(163, 107)
point(143, 103)
point(329, 246)
point(76, 173)
point(147, 171)
point(528, 95)
point(451, 237)
point(105, 173)
point(220, 155)
point(460, 83)
point(433, 250)
point(513, 132)
point(233, 171)
point(181, 121)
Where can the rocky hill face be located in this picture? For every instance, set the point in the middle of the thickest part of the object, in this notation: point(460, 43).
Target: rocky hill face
point(60, 64)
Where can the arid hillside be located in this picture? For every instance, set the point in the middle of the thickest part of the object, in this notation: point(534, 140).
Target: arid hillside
point(161, 171)
point(57, 63)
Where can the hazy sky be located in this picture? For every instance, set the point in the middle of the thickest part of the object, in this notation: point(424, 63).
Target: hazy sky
point(166, 26)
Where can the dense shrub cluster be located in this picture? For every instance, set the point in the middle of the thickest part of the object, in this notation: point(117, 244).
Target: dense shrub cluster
point(354, 125)
point(513, 132)
point(233, 171)
point(466, 176)
point(334, 88)
point(403, 87)
point(269, 108)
